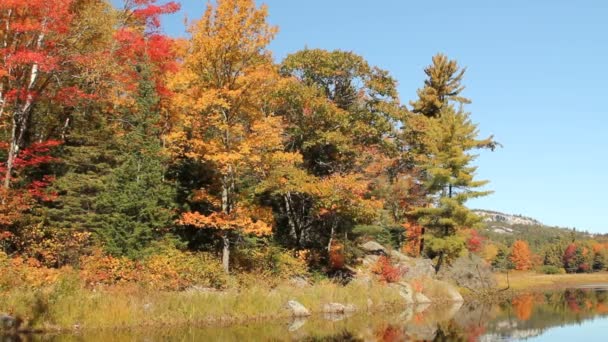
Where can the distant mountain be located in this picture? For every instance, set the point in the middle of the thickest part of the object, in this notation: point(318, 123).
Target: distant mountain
point(507, 228)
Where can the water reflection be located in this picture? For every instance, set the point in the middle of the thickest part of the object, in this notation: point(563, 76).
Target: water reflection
point(525, 316)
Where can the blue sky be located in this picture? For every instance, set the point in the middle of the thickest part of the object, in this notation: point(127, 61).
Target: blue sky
point(537, 73)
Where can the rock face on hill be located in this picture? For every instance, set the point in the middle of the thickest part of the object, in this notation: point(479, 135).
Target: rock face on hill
point(495, 216)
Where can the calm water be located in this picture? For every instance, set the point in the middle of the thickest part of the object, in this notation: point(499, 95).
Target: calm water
point(571, 315)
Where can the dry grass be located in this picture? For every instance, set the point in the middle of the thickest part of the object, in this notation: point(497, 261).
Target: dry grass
point(64, 307)
point(525, 280)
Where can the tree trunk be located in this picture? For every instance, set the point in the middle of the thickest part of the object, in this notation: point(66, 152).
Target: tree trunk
point(12, 150)
point(439, 263)
point(226, 252)
point(331, 236)
point(20, 120)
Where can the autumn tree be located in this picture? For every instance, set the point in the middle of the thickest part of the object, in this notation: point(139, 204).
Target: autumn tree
point(341, 115)
point(446, 156)
point(37, 67)
point(521, 255)
point(226, 125)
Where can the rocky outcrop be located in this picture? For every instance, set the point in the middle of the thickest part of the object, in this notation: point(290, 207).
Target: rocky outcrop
point(373, 247)
point(297, 309)
point(418, 268)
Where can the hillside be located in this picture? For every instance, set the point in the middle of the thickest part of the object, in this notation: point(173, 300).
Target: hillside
point(507, 228)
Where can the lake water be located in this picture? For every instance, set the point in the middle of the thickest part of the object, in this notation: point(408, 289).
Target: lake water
point(571, 315)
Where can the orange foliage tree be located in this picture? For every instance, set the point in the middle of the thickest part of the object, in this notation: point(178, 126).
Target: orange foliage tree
point(413, 236)
point(227, 124)
point(521, 255)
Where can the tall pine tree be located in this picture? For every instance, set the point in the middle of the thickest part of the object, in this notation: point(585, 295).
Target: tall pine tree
point(449, 136)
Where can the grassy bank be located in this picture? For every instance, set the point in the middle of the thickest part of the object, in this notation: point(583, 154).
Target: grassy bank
point(68, 306)
point(525, 280)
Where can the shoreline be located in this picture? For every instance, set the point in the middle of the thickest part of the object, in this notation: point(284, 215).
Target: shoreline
point(531, 281)
point(117, 309)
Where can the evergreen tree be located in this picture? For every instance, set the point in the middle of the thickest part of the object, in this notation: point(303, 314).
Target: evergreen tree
point(136, 205)
point(449, 138)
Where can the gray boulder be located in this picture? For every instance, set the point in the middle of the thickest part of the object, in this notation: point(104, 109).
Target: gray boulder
point(373, 247)
point(333, 308)
point(297, 323)
point(9, 323)
point(297, 309)
point(339, 308)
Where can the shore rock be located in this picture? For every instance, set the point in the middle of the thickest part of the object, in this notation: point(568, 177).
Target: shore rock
point(299, 282)
point(296, 324)
point(333, 308)
point(449, 291)
point(297, 309)
point(406, 292)
point(421, 299)
point(9, 323)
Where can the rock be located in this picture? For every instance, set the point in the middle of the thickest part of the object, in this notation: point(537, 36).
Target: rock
point(333, 308)
point(421, 308)
point(370, 260)
point(296, 324)
point(450, 293)
point(333, 316)
point(406, 315)
point(199, 289)
point(406, 292)
point(9, 323)
point(299, 282)
point(297, 309)
point(399, 257)
point(349, 308)
point(423, 331)
point(373, 247)
point(421, 299)
point(418, 268)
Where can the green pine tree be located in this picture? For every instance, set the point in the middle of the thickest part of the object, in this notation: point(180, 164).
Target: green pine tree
point(137, 204)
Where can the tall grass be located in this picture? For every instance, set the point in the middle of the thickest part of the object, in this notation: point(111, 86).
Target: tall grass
point(68, 305)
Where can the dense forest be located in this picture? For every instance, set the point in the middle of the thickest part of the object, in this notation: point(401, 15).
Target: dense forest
point(123, 149)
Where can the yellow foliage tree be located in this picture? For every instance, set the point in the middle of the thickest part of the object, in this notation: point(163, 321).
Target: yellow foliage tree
point(223, 92)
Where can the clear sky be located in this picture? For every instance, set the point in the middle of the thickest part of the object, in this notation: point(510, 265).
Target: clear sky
point(537, 73)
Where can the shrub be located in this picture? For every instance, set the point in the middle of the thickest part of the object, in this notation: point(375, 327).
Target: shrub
point(387, 271)
point(273, 261)
point(169, 270)
point(550, 269)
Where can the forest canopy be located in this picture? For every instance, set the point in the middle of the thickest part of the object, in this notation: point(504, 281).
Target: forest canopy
point(119, 141)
